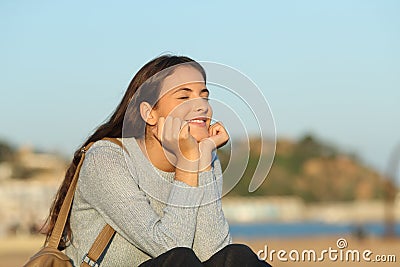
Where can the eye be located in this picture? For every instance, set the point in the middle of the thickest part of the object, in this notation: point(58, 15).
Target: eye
point(183, 97)
point(205, 96)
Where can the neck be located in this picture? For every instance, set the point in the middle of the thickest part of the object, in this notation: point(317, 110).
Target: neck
point(154, 151)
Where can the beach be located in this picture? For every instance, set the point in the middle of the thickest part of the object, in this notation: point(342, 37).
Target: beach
point(14, 251)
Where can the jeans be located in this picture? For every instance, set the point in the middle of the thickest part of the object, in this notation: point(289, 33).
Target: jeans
point(230, 256)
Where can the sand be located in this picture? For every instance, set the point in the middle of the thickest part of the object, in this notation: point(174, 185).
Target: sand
point(14, 251)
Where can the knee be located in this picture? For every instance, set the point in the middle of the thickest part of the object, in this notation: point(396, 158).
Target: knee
point(184, 253)
point(242, 255)
point(235, 255)
point(238, 249)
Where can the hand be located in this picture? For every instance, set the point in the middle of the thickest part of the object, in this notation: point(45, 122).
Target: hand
point(218, 137)
point(174, 135)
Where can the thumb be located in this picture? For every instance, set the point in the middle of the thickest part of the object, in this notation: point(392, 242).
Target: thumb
point(185, 129)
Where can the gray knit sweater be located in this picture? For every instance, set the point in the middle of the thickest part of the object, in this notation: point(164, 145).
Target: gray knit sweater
point(150, 211)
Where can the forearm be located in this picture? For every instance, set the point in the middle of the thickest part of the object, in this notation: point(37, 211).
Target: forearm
point(189, 178)
point(212, 229)
point(187, 170)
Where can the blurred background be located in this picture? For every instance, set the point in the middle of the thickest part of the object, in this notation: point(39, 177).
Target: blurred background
point(330, 71)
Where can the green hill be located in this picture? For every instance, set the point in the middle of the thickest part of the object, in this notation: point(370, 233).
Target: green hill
point(311, 170)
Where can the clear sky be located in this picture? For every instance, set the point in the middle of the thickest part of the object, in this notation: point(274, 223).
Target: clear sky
point(331, 68)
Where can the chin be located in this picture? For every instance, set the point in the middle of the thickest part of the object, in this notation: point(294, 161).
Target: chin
point(200, 136)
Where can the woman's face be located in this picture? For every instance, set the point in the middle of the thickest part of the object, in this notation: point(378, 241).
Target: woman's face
point(184, 95)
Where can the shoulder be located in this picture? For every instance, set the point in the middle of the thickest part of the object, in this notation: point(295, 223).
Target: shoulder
point(104, 146)
point(103, 153)
point(105, 162)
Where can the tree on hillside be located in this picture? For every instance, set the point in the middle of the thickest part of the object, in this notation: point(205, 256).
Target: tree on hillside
point(6, 151)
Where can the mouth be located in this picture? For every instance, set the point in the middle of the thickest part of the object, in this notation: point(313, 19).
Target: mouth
point(199, 121)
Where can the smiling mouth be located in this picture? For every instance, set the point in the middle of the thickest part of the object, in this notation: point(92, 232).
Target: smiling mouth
point(197, 122)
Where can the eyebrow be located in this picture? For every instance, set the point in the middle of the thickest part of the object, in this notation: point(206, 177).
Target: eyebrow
point(205, 90)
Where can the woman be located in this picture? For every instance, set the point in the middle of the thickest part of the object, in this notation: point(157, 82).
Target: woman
point(161, 191)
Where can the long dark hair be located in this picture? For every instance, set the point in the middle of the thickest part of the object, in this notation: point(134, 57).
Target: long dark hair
point(144, 79)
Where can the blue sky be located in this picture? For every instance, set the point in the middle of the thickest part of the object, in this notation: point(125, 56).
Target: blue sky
point(331, 68)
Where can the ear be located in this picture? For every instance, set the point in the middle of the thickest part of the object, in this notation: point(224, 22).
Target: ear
point(148, 114)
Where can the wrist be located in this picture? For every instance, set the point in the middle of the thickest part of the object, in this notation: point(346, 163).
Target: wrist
point(189, 178)
point(206, 146)
point(206, 156)
point(191, 155)
point(187, 165)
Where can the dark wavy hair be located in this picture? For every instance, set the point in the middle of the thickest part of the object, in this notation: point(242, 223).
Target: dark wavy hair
point(150, 85)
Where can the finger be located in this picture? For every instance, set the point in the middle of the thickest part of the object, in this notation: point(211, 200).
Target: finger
point(185, 129)
point(176, 127)
point(219, 134)
point(220, 128)
point(215, 129)
point(211, 129)
point(167, 129)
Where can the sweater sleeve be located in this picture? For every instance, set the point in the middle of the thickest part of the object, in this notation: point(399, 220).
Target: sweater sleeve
point(212, 231)
point(108, 185)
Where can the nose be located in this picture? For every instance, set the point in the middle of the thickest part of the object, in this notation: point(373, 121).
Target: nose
point(201, 105)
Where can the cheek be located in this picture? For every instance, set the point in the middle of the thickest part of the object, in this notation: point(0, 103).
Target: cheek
point(180, 110)
point(168, 109)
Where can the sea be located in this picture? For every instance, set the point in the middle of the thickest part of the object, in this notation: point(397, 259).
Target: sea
point(307, 229)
